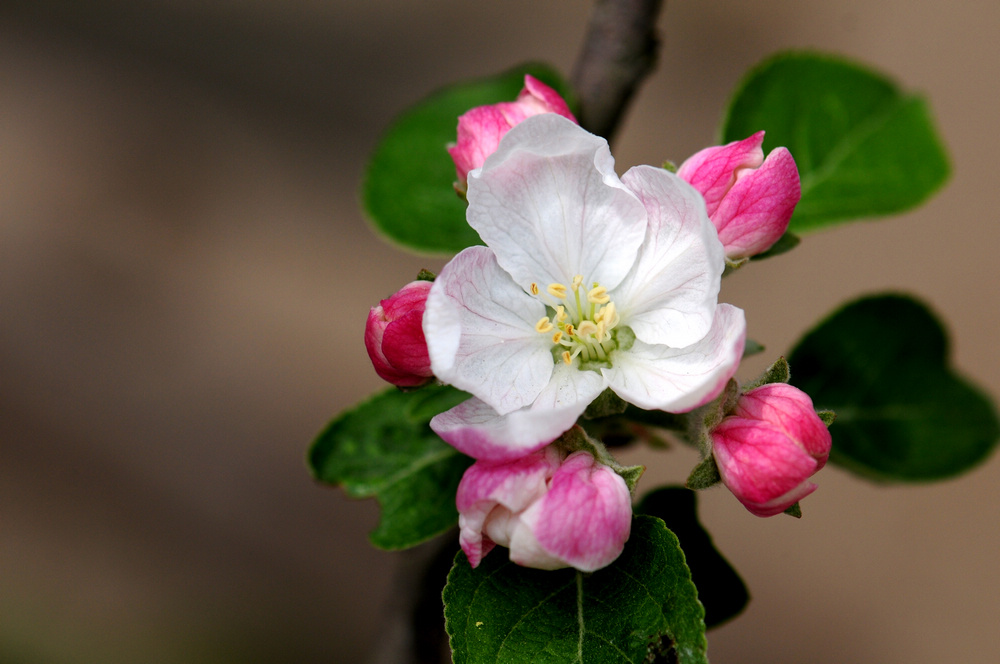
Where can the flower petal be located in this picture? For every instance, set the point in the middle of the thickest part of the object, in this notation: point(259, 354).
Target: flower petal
point(583, 521)
point(680, 379)
point(713, 171)
point(480, 332)
point(503, 488)
point(670, 295)
point(549, 204)
point(475, 429)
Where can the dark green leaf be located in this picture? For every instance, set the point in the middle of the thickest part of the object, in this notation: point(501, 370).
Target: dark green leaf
point(408, 190)
point(720, 588)
point(385, 448)
point(881, 364)
point(503, 613)
point(863, 147)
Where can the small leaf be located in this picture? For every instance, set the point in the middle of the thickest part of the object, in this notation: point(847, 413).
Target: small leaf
point(776, 373)
point(902, 414)
point(408, 189)
point(705, 475)
point(720, 588)
point(863, 147)
point(503, 613)
point(385, 448)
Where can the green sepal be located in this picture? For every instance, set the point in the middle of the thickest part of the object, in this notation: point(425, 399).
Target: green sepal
point(828, 417)
point(577, 439)
point(794, 510)
point(705, 475)
point(606, 404)
point(640, 606)
point(778, 372)
point(720, 589)
point(426, 275)
point(384, 448)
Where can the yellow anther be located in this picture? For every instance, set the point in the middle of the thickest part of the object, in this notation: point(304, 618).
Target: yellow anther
point(560, 314)
point(586, 327)
point(598, 295)
point(569, 329)
point(567, 358)
point(577, 281)
point(534, 288)
point(557, 291)
point(544, 326)
point(602, 332)
point(557, 337)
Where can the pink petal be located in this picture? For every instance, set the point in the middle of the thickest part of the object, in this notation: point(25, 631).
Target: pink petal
point(713, 171)
point(586, 516)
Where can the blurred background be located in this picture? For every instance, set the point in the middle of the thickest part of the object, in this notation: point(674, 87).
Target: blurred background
point(185, 275)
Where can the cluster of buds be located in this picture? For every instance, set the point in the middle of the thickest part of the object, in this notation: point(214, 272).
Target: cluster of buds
point(552, 507)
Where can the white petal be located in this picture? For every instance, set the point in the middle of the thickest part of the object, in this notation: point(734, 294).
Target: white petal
point(480, 331)
point(475, 429)
point(670, 295)
point(680, 379)
point(549, 204)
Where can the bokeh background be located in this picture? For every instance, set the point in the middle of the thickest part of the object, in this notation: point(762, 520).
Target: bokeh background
point(185, 274)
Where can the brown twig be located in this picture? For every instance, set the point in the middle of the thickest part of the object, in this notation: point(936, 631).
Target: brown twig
point(619, 50)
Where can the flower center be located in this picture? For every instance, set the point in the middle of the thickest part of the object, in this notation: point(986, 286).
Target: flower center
point(582, 323)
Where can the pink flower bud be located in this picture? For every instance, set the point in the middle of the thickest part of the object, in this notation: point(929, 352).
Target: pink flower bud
point(749, 199)
point(549, 511)
point(480, 129)
point(769, 447)
point(394, 336)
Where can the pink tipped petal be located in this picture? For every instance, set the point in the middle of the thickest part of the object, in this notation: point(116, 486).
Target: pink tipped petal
point(491, 492)
point(479, 132)
point(586, 516)
point(475, 429)
point(671, 292)
point(769, 447)
point(712, 171)
point(680, 379)
point(790, 409)
point(549, 204)
point(480, 333)
point(756, 211)
point(540, 98)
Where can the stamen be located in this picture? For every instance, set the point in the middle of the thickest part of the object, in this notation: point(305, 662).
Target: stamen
point(577, 281)
point(557, 291)
point(567, 358)
point(598, 295)
point(586, 328)
point(557, 337)
point(544, 326)
point(534, 288)
point(560, 314)
point(569, 329)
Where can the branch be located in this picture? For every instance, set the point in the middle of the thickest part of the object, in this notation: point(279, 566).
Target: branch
point(619, 50)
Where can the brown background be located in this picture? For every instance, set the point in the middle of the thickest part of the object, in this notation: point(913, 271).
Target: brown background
point(184, 276)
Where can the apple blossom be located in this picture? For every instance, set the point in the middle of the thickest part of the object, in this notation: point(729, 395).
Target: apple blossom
point(394, 337)
point(750, 199)
point(549, 511)
point(586, 282)
point(480, 129)
point(769, 447)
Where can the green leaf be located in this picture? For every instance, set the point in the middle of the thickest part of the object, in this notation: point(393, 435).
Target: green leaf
point(385, 448)
point(864, 148)
point(408, 188)
point(720, 588)
point(903, 414)
point(503, 613)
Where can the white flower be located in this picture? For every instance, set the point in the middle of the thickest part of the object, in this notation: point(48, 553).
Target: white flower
point(586, 282)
